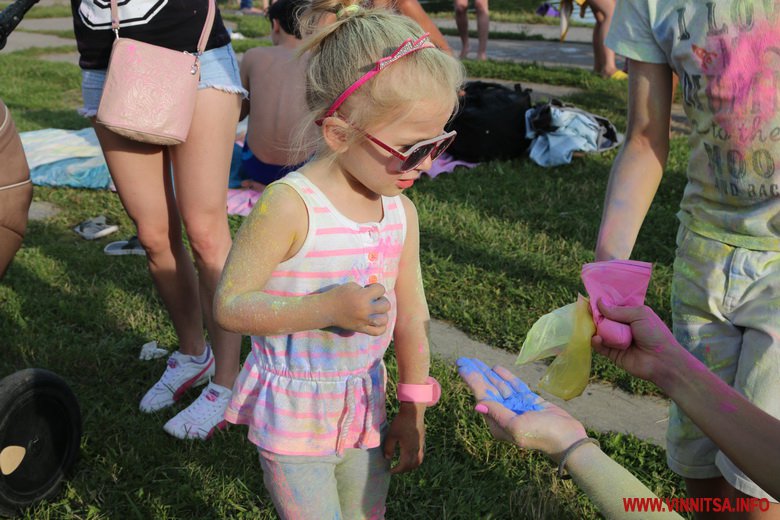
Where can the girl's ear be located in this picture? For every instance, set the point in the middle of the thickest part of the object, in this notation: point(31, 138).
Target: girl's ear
point(336, 134)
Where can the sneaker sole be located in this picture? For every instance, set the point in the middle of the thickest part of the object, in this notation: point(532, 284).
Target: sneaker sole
point(192, 382)
point(222, 425)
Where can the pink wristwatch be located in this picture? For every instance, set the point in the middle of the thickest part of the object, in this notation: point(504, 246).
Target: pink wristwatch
point(428, 393)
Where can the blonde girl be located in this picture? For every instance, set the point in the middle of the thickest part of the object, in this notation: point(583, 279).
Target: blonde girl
point(326, 271)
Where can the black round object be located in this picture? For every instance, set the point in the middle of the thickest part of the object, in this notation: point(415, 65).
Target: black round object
point(39, 412)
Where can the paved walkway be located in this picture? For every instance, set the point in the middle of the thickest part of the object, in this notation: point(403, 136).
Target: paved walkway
point(601, 407)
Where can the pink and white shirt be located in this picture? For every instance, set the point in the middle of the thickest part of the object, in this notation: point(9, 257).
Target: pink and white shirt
point(319, 392)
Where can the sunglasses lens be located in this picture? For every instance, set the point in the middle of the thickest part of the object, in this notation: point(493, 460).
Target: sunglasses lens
point(441, 146)
point(418, 156)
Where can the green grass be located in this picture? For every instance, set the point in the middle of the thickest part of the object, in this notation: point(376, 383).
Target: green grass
point(244, 45)
point(254, 26)
point(66, 306)
point(67, 33)
point(45, 11)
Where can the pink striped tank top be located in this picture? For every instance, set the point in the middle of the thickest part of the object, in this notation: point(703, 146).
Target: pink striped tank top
point(318, 392)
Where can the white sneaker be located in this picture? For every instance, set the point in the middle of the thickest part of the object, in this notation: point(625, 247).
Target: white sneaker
point(203, 417)
point(181, 374)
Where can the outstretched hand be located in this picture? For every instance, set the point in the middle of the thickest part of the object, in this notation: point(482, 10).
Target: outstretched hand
point(515, 414)
point(651, 344)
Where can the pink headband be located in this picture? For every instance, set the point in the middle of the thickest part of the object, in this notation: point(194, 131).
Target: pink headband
point(407, 47)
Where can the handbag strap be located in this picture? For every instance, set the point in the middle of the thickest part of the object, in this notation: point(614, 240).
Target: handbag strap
point(204, 36)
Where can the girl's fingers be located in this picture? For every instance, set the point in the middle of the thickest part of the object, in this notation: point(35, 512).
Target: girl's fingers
point(380, 305)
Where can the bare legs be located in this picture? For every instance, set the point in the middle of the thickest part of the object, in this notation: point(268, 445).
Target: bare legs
point(483, 26)
point(143, 180)
point(603, 56)
point(414, 10)
point(201, 167)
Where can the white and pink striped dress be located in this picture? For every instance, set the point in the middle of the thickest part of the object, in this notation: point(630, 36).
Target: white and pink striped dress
point(319, 392)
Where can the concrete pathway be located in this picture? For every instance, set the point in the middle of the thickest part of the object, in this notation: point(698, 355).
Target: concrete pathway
point(601, 407)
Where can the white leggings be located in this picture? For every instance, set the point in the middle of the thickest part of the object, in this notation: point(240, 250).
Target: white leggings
point(352, 486)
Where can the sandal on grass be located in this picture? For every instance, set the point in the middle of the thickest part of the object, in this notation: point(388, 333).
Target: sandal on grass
point(95, 227)
point(132, 246)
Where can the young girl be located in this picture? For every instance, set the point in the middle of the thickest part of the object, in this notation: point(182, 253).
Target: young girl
point(325, 271)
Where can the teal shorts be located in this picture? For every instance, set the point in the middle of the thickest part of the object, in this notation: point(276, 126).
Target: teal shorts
point(726, 312)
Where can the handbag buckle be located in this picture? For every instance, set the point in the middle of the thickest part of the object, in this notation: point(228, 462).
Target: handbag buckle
point(195, 64)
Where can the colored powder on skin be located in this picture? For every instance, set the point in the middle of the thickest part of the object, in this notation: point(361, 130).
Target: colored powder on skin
point(727, 407)
point(520, 401)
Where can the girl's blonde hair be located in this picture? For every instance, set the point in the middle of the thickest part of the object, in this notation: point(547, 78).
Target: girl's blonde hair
point(346, 40)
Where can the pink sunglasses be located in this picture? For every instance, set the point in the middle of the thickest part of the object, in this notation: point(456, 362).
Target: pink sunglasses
point(418, 152)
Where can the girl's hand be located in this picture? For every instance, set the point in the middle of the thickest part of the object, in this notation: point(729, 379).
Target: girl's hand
point(407, 430)
point(544, 427)
point(360, 309)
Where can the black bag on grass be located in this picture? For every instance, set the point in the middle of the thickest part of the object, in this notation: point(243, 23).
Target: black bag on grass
point(490, 122)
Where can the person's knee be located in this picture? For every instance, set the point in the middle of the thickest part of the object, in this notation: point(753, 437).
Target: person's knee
point(481, 7)
point(460, 8)
point(154, 238)
point(209, 239)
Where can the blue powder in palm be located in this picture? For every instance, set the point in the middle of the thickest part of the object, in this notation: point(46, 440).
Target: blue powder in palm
point(520, 401)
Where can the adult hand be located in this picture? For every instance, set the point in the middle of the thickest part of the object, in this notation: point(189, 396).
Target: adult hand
point(515, 414)
point(359, 309)
point(652, 344)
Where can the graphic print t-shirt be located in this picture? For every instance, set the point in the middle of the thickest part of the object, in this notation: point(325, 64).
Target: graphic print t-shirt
point(175, 24)
point(727, 55)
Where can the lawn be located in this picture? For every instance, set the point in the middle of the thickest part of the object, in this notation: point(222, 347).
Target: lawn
point(501, 244)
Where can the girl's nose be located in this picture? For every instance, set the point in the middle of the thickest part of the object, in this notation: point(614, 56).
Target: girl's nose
point(425, 165)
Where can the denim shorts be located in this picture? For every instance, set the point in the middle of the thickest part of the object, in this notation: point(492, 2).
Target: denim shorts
point(726, 312)
point(218, 70)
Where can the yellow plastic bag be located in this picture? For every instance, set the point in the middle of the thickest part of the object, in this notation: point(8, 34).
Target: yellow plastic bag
point(564, 333)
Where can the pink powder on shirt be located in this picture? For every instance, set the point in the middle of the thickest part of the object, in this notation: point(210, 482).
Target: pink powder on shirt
point(740, 70)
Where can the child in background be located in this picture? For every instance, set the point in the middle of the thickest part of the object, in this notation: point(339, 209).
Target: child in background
point(483, 26)
point(275, 78)
point(326, 271)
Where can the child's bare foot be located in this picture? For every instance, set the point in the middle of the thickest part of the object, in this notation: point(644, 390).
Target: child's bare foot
point(464, 52)
point(482, 56)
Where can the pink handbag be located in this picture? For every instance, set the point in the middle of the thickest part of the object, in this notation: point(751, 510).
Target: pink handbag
point(150, 91)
